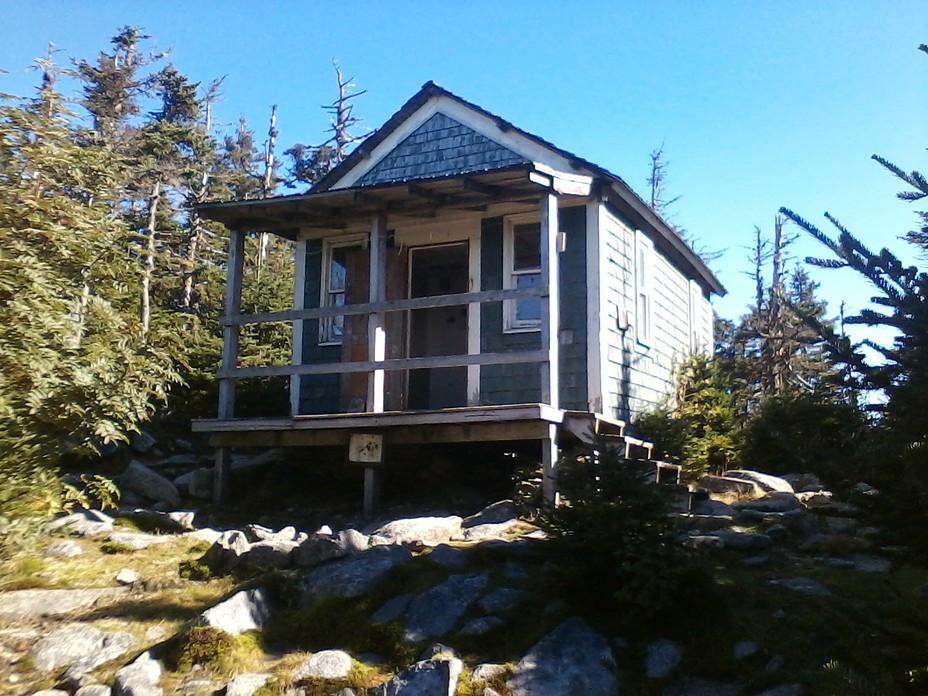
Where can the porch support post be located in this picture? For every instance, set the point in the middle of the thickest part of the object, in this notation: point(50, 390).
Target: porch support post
point(299, 302)
point(376, 338)
point(230, 335)
point(372, 481)
point(550, 322)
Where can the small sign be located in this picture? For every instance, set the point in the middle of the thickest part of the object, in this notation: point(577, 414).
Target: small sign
point(365, 448)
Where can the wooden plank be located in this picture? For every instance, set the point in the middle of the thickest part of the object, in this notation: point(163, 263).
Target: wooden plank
point(508, 358)
point(385, 306)
point(361, 421)
point(549, 461)
point(230, 332)
point(222, 476)
point(299, 298)
point(550, 304)
point(376, 337)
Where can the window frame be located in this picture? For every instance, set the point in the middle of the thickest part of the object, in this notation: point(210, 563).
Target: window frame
point(511, 324)
point(644, 293)
point(326, 294)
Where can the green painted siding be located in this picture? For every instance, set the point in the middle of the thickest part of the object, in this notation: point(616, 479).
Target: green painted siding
point(521, 383)
point(318, 393)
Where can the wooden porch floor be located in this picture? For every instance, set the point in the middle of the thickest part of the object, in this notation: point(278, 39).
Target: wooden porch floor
point(466, 424)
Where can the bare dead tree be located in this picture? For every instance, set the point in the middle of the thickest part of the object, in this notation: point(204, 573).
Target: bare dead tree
point(267, 182)
point(342, 111)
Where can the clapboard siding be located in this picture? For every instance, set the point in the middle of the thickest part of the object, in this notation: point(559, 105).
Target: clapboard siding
point(439, 147)
point(521, 383)
point(636, 378)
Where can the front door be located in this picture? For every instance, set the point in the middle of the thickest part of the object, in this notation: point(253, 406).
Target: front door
point(438, 270)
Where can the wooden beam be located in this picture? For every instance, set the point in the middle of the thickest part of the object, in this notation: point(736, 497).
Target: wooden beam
point(485, 189)
point(420, 191)
point(376, 336)
point(507, 358)
point(540, 179)
point(391, 306)
point(230, 332)
point(550, 304)
point(299, 299)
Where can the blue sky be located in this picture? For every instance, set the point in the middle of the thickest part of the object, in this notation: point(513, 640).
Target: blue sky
point(757, 104)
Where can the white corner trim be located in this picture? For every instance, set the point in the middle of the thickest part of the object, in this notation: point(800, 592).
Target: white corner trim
point(299, 301)
point(597, 312)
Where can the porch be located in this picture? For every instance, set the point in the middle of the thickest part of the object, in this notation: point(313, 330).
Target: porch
point(386, 355)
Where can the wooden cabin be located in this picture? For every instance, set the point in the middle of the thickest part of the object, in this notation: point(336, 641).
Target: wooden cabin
point(459, 279)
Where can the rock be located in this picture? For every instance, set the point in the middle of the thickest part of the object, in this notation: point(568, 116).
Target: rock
point(127, 576)
point(777, 532)
point(64, 549)
point(744, 541)
point(501, 600)
point(154, 521)
point(572, 659)
point(257, 532)
point(757, 561)
point(273, 553)
point(19, 605)
point(662, 657)
point(490, 531)
point(696, 686)
point(503, 511)
point(435, 612)
point(871, 564)
point(247, 610)
point(327, 664)
point(835, 562)
point(392, 610)
point(837, 508)
point(85, 523)
point(714, 508)
point(425, 678)
point(138, 478)
point(775, 664)
point(864, 489)
point(197, 483)
point(352, 576)
point(137, 540)
point(448, 556)
point(806, 586)
point(142, 441)
point(744, 648)
point(479, 626)
point(210, 536)
point(804, 482)
point(514, 572)
point(814, 499)
point(50, 692)
point(770, 484)
point(94, 690)
point(185, 460)
point(487, 671)
point(196, 687)
point(722, 485)
point(79, 646)
point(426, 530)
point(225, 552)
point(703, 541)
point(785, 690)
point(321, 547)
point(247, 684)
point(345, 692)
point(139, 678)
point(771, 502)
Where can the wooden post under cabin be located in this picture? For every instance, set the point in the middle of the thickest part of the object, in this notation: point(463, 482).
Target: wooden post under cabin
point(230, 335)
point(550, 322)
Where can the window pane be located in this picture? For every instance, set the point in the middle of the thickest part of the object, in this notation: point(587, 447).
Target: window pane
point(526, 242)
point(333, 328)
point(338, 272)
point(528, 310)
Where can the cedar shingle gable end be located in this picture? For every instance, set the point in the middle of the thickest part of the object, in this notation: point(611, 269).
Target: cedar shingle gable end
point(441, 146)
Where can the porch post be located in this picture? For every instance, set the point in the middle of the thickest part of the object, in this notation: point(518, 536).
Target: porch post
point(376, 350)
point(550, 322)
point(376, 339)
point(299, 302)
point(230, 335)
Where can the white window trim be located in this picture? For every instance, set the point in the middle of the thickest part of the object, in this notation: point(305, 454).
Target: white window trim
point(697, 345)
point(510, 324)
point(325, 296)
point(644, 287)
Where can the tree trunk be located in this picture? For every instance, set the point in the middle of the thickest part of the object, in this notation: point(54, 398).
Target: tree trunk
point(149, 269)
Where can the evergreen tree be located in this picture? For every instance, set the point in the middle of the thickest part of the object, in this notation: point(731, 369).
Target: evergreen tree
point(74, 371)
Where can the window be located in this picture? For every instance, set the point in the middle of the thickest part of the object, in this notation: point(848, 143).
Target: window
point(334, 288)
point(522, 269)
point(644, 281)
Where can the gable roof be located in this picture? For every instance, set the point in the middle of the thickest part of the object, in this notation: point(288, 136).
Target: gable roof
point(440, 146)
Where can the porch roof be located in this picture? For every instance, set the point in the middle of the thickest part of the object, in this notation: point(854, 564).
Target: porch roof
point(336, 209)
